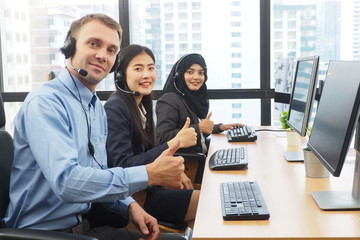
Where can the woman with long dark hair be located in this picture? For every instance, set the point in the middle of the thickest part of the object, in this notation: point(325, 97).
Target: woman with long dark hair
point(131, 135)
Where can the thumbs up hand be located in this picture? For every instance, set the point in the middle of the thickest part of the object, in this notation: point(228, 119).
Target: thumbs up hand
point(167, 170)
point(187, 136)
point(206, 125)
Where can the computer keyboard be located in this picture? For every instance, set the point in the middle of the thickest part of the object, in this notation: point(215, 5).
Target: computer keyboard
point(243, 201)
point(241, 134)
point(229, 159)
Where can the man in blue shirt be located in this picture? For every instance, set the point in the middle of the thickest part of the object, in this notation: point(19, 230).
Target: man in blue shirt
point(60, 161)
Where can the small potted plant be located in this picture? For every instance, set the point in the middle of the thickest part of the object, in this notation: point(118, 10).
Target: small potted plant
point(283, 120)
point(292, 137)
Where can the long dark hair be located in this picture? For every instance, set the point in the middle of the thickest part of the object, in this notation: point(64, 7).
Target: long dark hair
point(143, 137)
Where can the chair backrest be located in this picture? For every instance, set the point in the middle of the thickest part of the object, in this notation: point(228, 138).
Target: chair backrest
point(6, 159)
point(2, 113)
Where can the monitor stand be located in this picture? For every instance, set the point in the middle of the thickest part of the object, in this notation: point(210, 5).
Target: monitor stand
point(343, 200)
point(294, 156)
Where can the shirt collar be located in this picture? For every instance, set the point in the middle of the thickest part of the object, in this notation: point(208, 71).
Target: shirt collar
point(86, 96)
point(142, 115)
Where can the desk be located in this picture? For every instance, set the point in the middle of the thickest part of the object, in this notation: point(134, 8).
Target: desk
point(293, 212)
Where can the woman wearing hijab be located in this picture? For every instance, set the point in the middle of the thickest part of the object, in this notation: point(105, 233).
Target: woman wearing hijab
point(186, 96)
point(131, 136)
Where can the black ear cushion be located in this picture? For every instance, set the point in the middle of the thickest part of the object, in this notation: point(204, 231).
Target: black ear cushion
point(119, 78)
point(176, 75)
point(69, 47)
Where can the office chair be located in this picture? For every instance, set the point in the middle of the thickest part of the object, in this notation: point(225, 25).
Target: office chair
point(6, 158)
point(194, 163)
point(194, 167)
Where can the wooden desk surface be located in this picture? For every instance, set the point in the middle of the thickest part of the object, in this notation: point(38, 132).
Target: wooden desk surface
point(286, 189)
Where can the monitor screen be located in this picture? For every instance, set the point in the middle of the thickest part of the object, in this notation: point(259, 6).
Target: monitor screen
point(336, 115)
point(303, 93)
point(334, 124)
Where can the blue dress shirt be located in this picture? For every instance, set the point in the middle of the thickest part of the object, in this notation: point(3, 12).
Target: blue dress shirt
point(54, 177)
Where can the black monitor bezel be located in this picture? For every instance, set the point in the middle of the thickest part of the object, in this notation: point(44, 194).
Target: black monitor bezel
point(353, 120)
point(310, 97)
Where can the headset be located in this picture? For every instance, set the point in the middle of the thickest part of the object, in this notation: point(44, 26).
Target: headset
point(69, 49)
point(177, 73)
point(120, 78)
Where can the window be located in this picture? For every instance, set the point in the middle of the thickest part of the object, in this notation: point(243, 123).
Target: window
point(196, 15)
point(236, 75)
point(169, 27)
point(236, 115)
point(183, 37)
point(182, 15)
point(236, 65)
point(169, 6)
point(196, 47)
point(236, 24)
point(235, 45)
point(196, 26)
point(183, 27)
point(169, 47)
point(196, 36)
point(236, 105)
point(236, 85)
point(183, 47)
point(235, 3)
point(169, 16)
point(311, 28)
point(196, 5)
point(182, 6)
point(154, 24)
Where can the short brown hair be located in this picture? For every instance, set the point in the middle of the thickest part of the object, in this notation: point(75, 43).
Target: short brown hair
point(108, 21)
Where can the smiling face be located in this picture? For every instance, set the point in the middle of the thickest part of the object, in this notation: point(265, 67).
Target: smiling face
point(194, 77)
point(96, 48)
point(141, 74)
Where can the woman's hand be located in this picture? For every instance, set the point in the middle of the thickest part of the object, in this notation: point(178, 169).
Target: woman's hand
point(206, 125)
point(187, 136)
point(224, 127)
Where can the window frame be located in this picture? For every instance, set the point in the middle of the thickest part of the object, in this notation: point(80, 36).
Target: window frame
point(264, 93)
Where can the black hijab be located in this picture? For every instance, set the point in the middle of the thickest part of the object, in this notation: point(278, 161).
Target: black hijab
point(198, 100)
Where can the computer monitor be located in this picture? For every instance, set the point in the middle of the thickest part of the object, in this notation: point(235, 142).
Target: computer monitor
point(301, 100)
point(303, 93)
point(336, 117)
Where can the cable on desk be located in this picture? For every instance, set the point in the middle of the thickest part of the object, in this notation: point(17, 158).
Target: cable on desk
point(271, 130)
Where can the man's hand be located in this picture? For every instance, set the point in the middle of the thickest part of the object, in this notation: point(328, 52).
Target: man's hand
point(166, 170)
point(186, 182)
point(187, 136)
point(206, 125)
point(144, 222)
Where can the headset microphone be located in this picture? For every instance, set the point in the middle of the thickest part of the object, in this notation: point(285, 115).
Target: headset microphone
point(82, 72)
point(134, 93)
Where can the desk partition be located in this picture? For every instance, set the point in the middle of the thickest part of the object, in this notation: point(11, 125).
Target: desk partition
point(286, 189)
